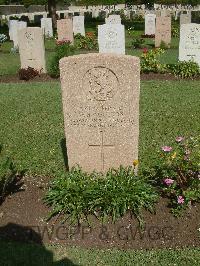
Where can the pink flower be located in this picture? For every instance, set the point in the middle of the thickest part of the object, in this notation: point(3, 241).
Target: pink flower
point(166, 148)
point(168, 181)
point(179, 139)
point(180, 200)
point(145, 50)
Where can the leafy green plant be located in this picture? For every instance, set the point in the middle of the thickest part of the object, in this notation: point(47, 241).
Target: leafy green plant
point(175, 31)
point(88, 42)
point(8, 174)
point(79, 194)
point(177, 173)
point(63, 49)
point(3, 38)
point(185, 69)
point(150, 61)
point(138, 42)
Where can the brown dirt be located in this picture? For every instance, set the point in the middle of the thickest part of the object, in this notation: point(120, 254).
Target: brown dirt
point(23, 218)
point(47, 78)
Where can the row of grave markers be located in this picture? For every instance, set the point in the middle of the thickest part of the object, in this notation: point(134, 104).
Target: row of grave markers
point(111, 38)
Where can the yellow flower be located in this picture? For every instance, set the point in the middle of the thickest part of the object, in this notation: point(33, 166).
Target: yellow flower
point(174, 156)
point(135, 162)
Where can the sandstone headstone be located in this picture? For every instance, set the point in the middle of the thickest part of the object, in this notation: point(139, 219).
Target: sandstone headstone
point(65, 30)
point(78, 25)
point(31, 48)
point(150, 24)
point(163, 31)
point(46, 25)
point(185, 18)
point(189, 46)
point(113, 19)
point(111, 38)
point(100, 95)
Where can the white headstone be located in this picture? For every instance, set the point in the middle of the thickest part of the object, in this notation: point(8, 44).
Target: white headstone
point(111, 38)
point(150, 24)
point(113, 19)
point(185, 18)
point(189, 46)
point(46, 25)
point(31, 48)
point(20, 25)
point(78, 25)
point(12, 28)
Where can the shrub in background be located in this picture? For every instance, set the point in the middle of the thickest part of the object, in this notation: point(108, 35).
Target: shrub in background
point(150, 61)
point(27, 73)
point(138, 42)
point(185, 69)
point(78, 194)
point(88, 42)
point(63, 49)
point(3, 38)
point(175, 31)
point(177, 173)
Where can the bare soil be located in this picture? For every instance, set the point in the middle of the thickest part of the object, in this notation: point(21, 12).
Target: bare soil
point(23, 218)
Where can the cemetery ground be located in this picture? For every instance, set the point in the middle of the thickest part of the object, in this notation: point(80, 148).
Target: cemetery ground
point(32, 132)
point(10, 63)
point(33, 136)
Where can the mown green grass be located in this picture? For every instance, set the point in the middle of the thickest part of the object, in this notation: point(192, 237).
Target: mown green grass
point(31, 123)
point(10, 63)
point(13, 254)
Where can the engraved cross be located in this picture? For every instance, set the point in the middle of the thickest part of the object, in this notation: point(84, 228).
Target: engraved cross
point(102, 145)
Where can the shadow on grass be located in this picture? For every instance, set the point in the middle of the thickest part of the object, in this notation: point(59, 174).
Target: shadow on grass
point(20, 245)
point(64, 152)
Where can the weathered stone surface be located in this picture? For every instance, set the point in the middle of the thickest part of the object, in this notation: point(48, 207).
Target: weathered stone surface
point(100, 95)
point(12, 28)
point(189, 46)
point(163, 31)
point(113, 19)
point(31, 48)
point(19, 25)
point(185, 18)
point(65, 30)
point(150, 24)
point(111, 38)
point(46, 25)
point(78, 25)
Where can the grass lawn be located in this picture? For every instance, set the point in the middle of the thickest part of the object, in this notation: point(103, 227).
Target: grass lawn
point(31, 125)
point(12, 254)
point(10, 63)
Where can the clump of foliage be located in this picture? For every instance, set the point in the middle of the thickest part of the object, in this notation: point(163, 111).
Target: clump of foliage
point(3, 38)
point(185, 69)
point(63, 49)
point(27, 73)
point(88, 42)
point(177, 173)
point(175, 31)
point(138, 42)
point(150, 61)
point(78, 194)
point(8, 174)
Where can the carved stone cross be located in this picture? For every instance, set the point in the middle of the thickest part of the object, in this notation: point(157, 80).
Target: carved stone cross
point(102, 146)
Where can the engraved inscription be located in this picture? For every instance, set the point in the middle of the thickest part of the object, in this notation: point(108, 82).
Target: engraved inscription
point(105, 116)
point(101, 82)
